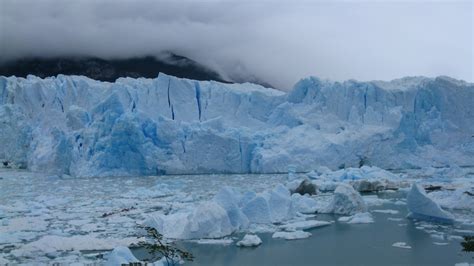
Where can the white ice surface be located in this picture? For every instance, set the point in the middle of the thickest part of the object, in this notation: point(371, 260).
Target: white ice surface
point(120, 256)
point(401, 245)
point(358, 218)
point(303, 225)
point(292, 235)
point(386, 211)
point(249, 241)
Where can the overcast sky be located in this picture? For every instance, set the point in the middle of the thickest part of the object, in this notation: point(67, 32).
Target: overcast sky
point(278, 41)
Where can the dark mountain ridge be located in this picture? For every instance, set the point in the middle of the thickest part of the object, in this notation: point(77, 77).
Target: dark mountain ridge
point(109, 70)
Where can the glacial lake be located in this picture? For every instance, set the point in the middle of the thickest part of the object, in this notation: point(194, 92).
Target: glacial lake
point(345, 244)
point(35, 206)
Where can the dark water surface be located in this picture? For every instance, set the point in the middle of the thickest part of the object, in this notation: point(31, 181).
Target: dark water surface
point(340, 244)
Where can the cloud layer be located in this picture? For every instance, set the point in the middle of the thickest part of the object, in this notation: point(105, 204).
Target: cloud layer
point(278, 41)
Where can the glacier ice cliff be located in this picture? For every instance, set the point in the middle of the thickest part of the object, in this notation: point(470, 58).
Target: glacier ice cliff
point(81, 127)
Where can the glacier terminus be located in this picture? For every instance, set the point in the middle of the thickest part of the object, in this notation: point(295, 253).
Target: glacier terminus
point(73, 125)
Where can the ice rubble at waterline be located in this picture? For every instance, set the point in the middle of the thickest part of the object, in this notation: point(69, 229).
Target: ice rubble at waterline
point(219, 218)
point(233, 210)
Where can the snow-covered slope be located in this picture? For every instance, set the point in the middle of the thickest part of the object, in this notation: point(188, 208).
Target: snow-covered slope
point(82, 127)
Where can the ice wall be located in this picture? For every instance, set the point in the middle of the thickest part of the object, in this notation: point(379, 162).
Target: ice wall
point(81, 127)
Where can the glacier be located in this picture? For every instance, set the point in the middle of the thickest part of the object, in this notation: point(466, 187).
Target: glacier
point(73, 125)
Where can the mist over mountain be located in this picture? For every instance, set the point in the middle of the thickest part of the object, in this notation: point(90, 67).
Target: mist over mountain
point(112, 69)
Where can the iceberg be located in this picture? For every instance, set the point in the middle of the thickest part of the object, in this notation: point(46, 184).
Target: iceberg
point(291, 235)
point(228, 198)
point(303, 204)
point(249, 241)
point(346, 201)
point(120, 256)
point(208, 220)
point(227, 212)
point(422, 207)
point(77, 126)
point(270, 206)
point(257, 210)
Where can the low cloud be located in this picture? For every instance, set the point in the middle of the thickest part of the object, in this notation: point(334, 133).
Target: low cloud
point(277, 41)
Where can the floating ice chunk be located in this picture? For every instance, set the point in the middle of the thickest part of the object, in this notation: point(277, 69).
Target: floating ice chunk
point(257, 210)
point(441, 243)
point(303, 204)
point(394, 219)
point(365, 178)
point(464, 264)
point(374, 200)
point(170, 226)
point(388, 211)
point(358, 218)
point(422, 207)
point(400, 202)
point(270, 206)
point(261, 228)
point(229, 198)
point(457, 200)
point(303, 225)
point(365, 185)
point(455, 237)
point(279, 203)
point(292, 235)
point(223, 241)
point(208, 220)
point(51, 243)
point(120, 256)
point(438, 236)
point(401, 245)
point(346, 201)
point(249, 241)
point(464, 231)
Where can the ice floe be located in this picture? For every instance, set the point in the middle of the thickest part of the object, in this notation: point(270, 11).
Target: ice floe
point(292, 235)
point(387, 211)
point(401, 245)
point(303, 225)
point(358, 218)
point(249, 241)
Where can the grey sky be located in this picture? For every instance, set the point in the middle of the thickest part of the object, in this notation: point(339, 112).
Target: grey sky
point(279, 41)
